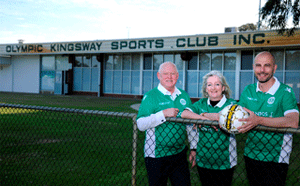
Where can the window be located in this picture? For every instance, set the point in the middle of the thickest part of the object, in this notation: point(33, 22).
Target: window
point(135, 74)
point(48, 63)
point(246, 73)
point(192, 64)
point(247, 60)
point(62, 63)
point(109, 62)
point(157, 60)
point(78, 61)
point(126, 75)
point(178, 62)
point(126, 62)
point(230, 61)
point(204, 59)
point(86, 61)
point(224, 62)
point(95, 62)
point(117, 62)
point(279, 60)
point(135, 62)
point(123, 77)
point(86, 73)
point(168, 57)
point(292, 72)
point(48, 73)
point(192, 77)
point(216, 61)
point(292, 60)
point(147, 61)
point(180, 67)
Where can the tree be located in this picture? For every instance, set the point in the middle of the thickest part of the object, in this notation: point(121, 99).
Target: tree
point(252, 27)
point(277, 12)
point(246, 27)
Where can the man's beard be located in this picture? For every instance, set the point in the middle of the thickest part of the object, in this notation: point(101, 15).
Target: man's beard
point(268, 78)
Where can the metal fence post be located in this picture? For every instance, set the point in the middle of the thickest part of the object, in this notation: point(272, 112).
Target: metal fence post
point(134, 149)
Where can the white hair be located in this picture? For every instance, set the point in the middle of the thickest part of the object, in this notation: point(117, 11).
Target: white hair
point(161, 66)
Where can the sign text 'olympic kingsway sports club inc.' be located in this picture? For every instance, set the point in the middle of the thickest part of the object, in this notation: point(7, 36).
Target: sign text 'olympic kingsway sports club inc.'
point(142, 44)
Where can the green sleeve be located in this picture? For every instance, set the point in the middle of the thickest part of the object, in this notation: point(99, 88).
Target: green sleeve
point(189, 102)
point(243, 98)
point(147, 106)
point(196, 107)
point(289, 100)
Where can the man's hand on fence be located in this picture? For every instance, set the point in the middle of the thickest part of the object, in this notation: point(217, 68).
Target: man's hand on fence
point(170, 112)
point(252, 121)
point(192, 158)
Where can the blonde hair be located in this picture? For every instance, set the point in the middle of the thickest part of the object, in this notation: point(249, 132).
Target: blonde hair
point(226, 91)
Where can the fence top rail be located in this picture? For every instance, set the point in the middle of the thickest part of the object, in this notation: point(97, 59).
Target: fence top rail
point(216, 123)
point(71, 110)
point(133, 116)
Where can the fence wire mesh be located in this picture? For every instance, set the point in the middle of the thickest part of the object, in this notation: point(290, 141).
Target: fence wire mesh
point(59, 146)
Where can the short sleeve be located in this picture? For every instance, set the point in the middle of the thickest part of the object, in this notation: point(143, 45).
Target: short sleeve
point(289, 101)
point(243, 101)
point(196, 107)
point(146, 107)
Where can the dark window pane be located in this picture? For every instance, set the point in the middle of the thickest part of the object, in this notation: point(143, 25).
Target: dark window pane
point(247, 60)
point(147, 61)
point(192, 64)
point(78, 61)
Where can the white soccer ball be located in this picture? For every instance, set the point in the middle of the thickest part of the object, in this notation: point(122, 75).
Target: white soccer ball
point(229, 116)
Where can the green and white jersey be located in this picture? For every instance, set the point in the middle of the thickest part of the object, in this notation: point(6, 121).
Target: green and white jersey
point(162, 138)
point(215, 149)
point(277, 102)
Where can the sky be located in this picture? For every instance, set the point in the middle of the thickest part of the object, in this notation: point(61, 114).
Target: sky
point(43, 21)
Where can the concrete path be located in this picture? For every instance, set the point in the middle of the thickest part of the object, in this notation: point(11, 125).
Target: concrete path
point(135, 106)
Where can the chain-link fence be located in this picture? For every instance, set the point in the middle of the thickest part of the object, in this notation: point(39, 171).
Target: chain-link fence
point(59, 146)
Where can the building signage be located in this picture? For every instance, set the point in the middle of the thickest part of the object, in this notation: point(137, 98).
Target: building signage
point(195, 42)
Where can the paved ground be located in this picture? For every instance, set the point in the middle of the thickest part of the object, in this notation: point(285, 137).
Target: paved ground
point(135, 106)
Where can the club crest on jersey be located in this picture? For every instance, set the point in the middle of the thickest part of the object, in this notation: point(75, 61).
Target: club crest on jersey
point(271, 100)
point(182, 101)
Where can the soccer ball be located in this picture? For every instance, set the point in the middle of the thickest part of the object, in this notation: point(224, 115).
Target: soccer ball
point(229, 116)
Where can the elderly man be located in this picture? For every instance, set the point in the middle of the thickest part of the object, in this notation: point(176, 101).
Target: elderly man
point(270, 103)
point(165, 149)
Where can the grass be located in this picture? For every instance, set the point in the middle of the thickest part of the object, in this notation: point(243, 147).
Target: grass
point(65, 149)
point(55, 148)
point(74, 101)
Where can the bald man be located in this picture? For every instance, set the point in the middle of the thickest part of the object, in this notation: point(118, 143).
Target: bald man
point(270, 103)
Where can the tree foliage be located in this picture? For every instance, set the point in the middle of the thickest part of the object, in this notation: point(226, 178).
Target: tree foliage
point(247, 27)
point(277, 12)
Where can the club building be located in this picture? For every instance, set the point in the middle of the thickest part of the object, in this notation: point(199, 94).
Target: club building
point(128, 67)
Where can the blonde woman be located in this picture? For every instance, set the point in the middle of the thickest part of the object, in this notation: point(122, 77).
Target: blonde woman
point(214, 150)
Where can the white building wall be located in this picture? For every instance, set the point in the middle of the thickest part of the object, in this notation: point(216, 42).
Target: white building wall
point(26, 74)
point(6, 78)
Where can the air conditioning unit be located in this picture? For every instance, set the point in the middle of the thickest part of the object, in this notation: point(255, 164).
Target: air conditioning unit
point(231, 29)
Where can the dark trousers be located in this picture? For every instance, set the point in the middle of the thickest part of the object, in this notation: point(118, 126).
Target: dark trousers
point(174, 167)
point(265, 173)
point(212, 177)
